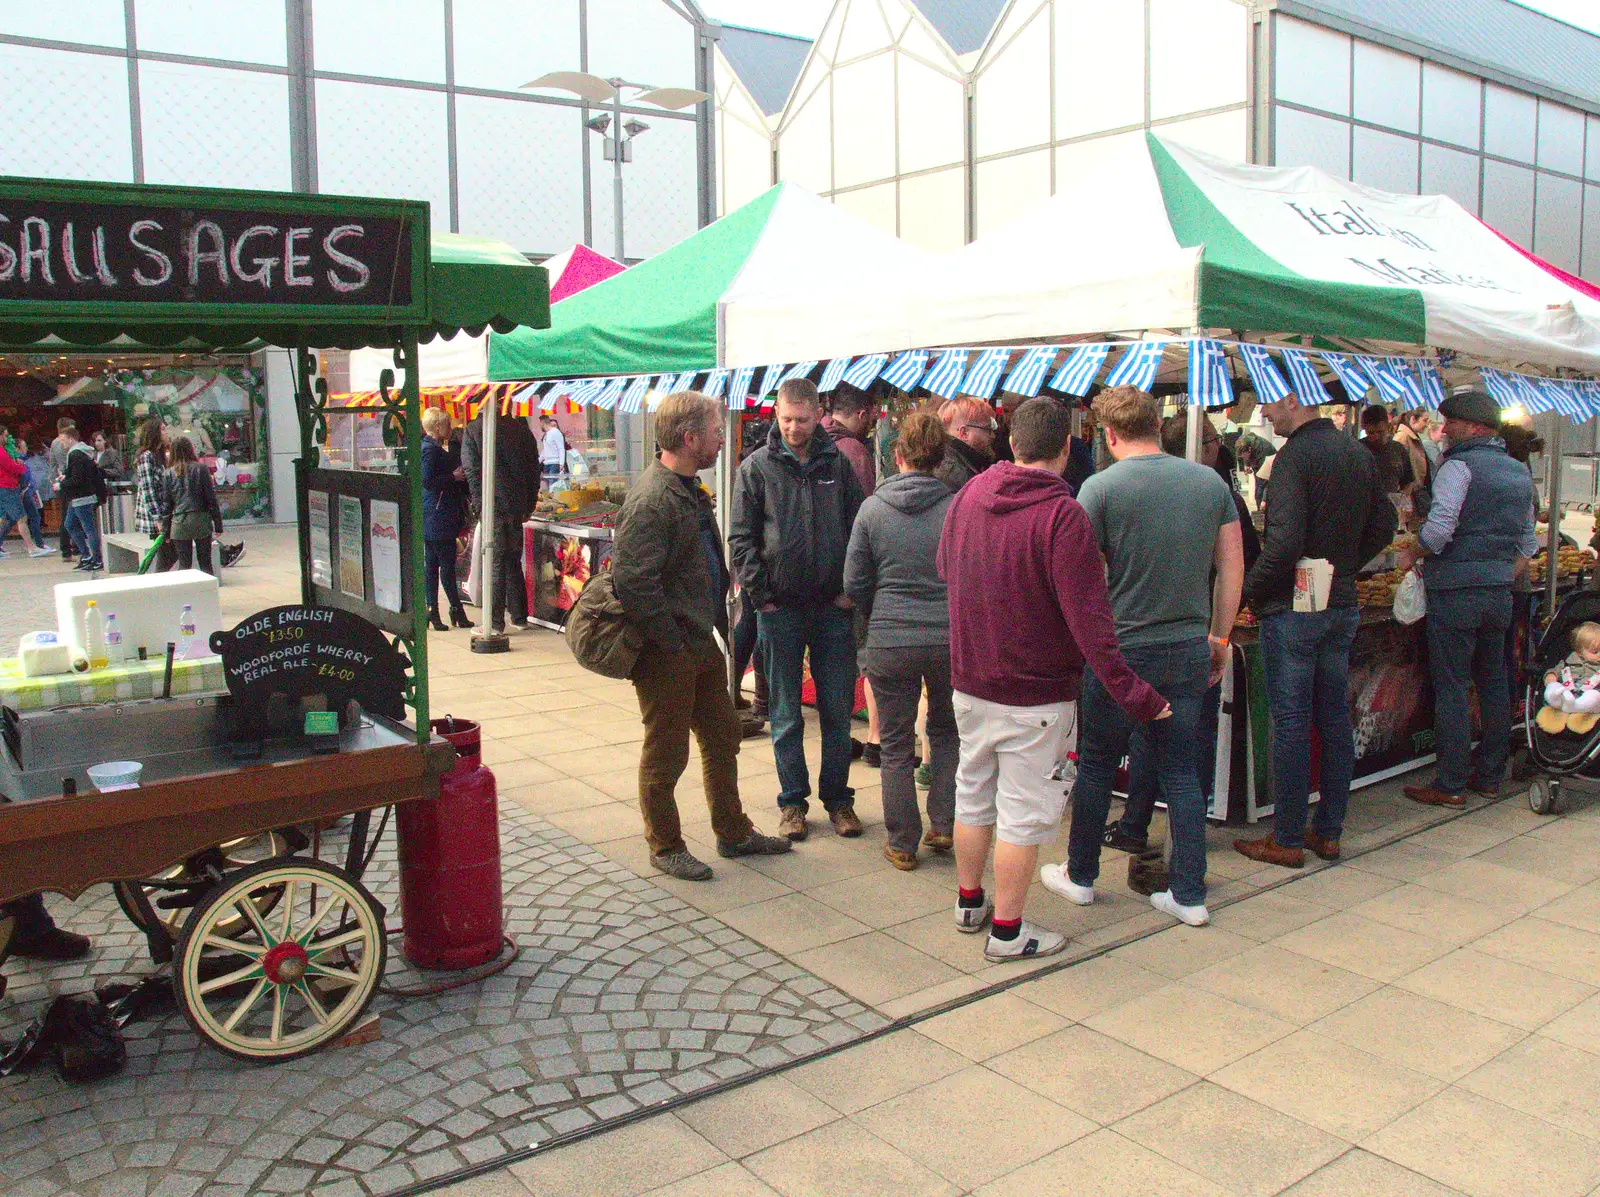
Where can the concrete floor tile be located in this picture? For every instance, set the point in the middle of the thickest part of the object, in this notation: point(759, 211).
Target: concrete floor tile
point(598, 823)
point(1542, 1077)
point(1495, 885)
point(1404, 861)
point(876, 1071)
point(1486, 1149)
point(822, 859)
point(1546, 946)
point(1361, 1174)
point(1578, 908)
point(886, 896)
point(1558, 862)
point(1363, 946)
point(561, 793)
point(919, 1000)
point(591, 761)
point(1419, 1033)
point(1099, 1077)
point(991, 1026)
point(754, 1117)
point(1268, 915)
point(875, 967)
point(1106, 1165)
point(1198, 1036)
point(954, 1127)
point(844, 1160)
point(1285, 984)
point(1330, 1085)
point(492, 1184)
point(792, 923)
point(624, 1163)
point(1235, 1142)
point(1088, 988)
point(1461, 837)
point(1495, 988)
point(1340, 887)
point(1180, 950)
point(935, 935)
point(1433, 914)
point(726, 1180)
point(1579, 1027)
point(524, 773)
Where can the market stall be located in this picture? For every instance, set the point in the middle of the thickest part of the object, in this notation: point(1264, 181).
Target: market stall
point(209, 823)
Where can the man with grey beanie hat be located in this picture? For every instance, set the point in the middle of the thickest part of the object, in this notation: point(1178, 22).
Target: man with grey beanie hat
point(1477, 539)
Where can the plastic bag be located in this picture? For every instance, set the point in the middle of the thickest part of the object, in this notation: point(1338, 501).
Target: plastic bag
point(1410, 599)
point(577, 465)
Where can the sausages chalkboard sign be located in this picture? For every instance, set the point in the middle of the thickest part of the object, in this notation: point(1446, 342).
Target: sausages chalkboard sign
point(298, 651)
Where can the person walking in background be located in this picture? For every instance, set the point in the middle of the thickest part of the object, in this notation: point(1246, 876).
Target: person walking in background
point(1169, 531)
point(972, 427)
point(1020, 632)
point(193, 515)
point(150, 509)
point(57, 456)
point(444, 488)
point(13, 513)
point(82, 489)
point(1394, 462)
point(1475, 544)
point(794, 502)
point(1411, 434)
point(851, 421)
point(1324, 500)
point(516, 490)
point(670, 578)
point(552, 453)
point(32, 504)
point(891, 575)
point(109, 458)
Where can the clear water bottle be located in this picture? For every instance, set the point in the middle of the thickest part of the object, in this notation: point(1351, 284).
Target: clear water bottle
point(186, 632)
point(94, 635)
point(116, 652)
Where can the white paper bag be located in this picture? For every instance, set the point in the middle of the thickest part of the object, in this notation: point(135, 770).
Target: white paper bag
point(1410, 599)
point(1313, 578)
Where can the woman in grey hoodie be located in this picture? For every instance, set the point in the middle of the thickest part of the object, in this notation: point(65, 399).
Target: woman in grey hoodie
point(891, 576)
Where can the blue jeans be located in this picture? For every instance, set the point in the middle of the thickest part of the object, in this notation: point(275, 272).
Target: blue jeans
point(1467, 646)
point(1307, 659)
point(81, 525)
point(828, 634)
point(1144, 782)
point(35, 513)
point(1180, 674)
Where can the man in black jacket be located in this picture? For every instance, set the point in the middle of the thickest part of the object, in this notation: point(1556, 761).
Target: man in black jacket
point(793, 506)
point(970, 450)
point(1325, 500)
point(516, 490)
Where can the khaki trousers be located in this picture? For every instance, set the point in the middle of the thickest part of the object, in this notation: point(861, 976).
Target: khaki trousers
point(681, 693)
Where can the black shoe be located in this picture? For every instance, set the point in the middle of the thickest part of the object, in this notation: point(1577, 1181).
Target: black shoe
point(1116, 838)
point(857, 749)
point(231, 553)
point(872, 756)
point(83, 567)
point(54, 944)
point(435, 622)
point(458, 617)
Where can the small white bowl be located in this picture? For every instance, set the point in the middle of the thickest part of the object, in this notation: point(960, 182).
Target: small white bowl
point(115, 775)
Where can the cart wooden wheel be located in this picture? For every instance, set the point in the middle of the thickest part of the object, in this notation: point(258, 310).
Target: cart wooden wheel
point(1543, 795)
point(173, 893)
point(287, 982)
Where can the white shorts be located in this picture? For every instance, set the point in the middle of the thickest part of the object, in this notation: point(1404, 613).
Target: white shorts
point(1007, 753)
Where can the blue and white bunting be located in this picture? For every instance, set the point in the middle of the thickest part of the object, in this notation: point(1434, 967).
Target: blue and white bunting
point(832, 375)
point(770, 378)
point(985, 374)
point(1209, 384)
point(1305, 380)
point(606, 397)
point(1391, 386)
point(798, 370)
point(1432, 385)
point(684, 382)
point(1501, 389)
point(1137, 366)
point(907, 370)
point(1591, 396)
point(944, 380)
point(739, 388)
point(1532, 396)
point(866, 370)
point(1354, 380)
point(1077, 373)
point(1563, 398)
point(1406, 371)
point(716, 384)
point(632, 402)
point(1264, 374)
point(1028, 376)
point(585, 392)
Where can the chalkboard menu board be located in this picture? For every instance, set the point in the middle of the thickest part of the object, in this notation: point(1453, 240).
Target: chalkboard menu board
point(299, 651)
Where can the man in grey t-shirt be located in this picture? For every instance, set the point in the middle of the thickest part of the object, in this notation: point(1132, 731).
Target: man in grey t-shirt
point(1174, 567)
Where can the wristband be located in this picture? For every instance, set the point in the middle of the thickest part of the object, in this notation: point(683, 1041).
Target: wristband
point(1221, 641)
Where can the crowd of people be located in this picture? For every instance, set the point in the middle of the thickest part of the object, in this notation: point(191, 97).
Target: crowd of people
point(1044, 619)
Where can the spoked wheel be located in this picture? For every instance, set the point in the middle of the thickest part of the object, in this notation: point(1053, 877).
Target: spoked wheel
point(282, 984)
point(1544, 794)
point(172, 894)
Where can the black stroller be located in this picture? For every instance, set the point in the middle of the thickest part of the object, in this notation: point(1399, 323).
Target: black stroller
point(1552, 758)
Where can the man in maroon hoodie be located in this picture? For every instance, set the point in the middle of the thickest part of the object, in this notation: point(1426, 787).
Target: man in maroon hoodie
point(1028, 604)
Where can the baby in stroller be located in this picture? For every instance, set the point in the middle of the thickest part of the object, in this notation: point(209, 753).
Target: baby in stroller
point(1572, 689)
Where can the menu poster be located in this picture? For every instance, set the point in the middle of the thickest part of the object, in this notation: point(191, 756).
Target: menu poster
point(321, 538)
point(385, 526)
point(352, 561)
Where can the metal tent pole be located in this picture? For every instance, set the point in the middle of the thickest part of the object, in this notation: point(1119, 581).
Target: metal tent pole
point(411, 395)
point(1553, 501)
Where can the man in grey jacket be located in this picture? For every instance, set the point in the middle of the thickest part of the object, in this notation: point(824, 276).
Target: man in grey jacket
point(669, 576)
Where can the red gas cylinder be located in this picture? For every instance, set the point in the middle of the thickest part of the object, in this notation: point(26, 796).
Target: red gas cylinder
point(449, 847)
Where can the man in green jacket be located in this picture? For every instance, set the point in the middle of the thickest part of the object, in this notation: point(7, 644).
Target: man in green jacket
point(668, 572)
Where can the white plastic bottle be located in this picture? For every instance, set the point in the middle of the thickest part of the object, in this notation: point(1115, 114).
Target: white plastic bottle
point(116, 652)
point(94, 635)
point(186, 632)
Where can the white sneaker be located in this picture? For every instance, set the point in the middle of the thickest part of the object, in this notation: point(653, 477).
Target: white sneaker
point(41, 552)
point(970, 919)
point(1195, 916)
point(1055, 880)
point(1030, 941)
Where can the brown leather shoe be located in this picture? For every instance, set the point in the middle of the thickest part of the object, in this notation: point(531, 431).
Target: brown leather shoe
point(1429, 796)
point(904, 861)
point(845, 822)
point(1269, 851)
point(1487, 789)
point(1327, 849)
point(939, 841)
point(792, 823)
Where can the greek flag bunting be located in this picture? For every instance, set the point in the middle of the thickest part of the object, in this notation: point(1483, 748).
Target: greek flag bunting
point(684, 382)
point(770, 378)
point(1264, 374)
point(608, 394)
point(798, 370)
point(1382, 373)
point(1432, 385)
point(1591, 395)
point(1500, 388)
point(985, 374)
point(866, 370)
point(1530, 396)
point(1209, 385)
point(1563, 398)
point(907, 369)
point(1029, 374)
point(944, 380)
point(1412, 399)
point(1356, 384)
point(1304, 378)
point(584, 393)
point(633, 398)
point(1137, 366)
point(739, 388)
point(1077, 373)
point(716, 383)
point(833, 373)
